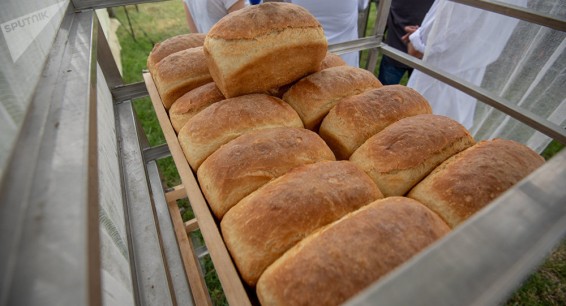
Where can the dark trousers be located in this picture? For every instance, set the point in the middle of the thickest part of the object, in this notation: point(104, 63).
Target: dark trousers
point(390, 73)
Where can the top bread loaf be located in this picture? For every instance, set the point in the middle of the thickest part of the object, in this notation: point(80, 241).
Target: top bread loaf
point(263, 47)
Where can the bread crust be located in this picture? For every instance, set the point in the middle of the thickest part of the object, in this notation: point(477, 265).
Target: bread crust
point(225, 120)
point(253, 159)
point(326, 267)
point(356, 118)
point(332, 60)
point(172, 45)
point(313, 96)
point(259, 20)
point(263, 47)
point(179, 73)
point(191, 103)
point(266, 223)
point(402, 154)
point(468, 181)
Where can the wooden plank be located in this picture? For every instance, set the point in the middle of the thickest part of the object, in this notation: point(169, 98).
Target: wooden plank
point(191, 226)
point(227, 274)
point(190, 260)
point(177, 193)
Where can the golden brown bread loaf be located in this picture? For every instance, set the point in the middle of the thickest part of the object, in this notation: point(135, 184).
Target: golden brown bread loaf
point(225, 120)
point(403, 153)
point(332, 60)
point(179, 73)
point(335, 263)
point(172, 45)
point(191, 103)
point(355, 119)
point(263, 47)
point(253, 159)
point(468, 181)
point(269, 221)
point(313, 96)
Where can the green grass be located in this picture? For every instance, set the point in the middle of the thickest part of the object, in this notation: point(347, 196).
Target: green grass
point(154, 22)
point(148, 24)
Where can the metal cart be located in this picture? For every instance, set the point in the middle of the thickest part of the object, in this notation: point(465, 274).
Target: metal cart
point(85, 219)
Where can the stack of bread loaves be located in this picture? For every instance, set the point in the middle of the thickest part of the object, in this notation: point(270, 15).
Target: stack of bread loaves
point(321, 179)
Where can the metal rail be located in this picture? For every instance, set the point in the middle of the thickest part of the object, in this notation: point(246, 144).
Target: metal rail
point(517, 12)
point(539, 123)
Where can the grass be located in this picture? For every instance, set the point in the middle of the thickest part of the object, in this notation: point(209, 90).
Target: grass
point(154, 22)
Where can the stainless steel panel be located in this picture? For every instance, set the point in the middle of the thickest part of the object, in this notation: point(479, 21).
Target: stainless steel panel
point(49, 195)
point(148, 260)
point(482, 261)
point(29, 29)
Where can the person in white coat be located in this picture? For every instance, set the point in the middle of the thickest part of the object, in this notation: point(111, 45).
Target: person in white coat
point(339, 19)
point(203, 14)
point(462, 41)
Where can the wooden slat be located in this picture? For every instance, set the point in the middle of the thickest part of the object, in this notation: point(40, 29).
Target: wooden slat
point(177, 193)
point(190, 261)
point(227, 274)
point(191, 226)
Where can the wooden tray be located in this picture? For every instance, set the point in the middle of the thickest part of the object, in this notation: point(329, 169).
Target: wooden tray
point(232, 285)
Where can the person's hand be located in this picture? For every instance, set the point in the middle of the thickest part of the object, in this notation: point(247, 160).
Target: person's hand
point(409, 30)
point(412, 51)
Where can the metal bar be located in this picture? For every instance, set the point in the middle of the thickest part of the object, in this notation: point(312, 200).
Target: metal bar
point(539, 123)
point(129, 92)
point(518, 12)
point(170, 246)
point(149, 264)
point(156, 152)
point(378, 32)
point(48, 206)
point(486, 258)
point(96, 4)
point(355, 45)
point(107, 62)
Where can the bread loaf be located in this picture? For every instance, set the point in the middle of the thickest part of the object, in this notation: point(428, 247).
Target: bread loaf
point(263, 47)
point(468, 181)
point(313, 96)
point(179, 73)
point(172, 45)
point(253, 159)
point(266, 223)
point(228, 119)
point(356, 118)
point(335, 263)
point(405, 152)
point(332, 60)
point(191, 103)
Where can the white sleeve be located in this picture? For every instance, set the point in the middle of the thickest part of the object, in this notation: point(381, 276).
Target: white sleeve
point(420, 36)
point(417, 40)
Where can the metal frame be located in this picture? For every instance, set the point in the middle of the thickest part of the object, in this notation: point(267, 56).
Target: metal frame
point(49, 211)
point(50, 245)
